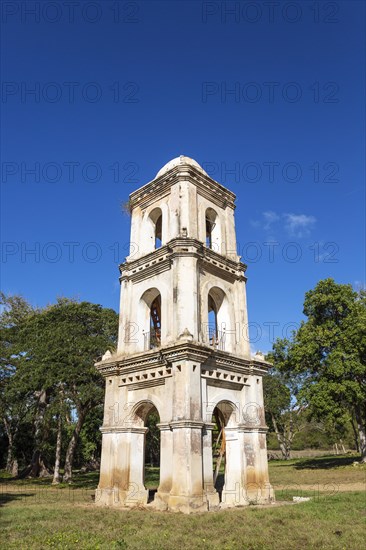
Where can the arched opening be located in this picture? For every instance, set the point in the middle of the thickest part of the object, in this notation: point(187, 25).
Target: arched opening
point(156, 218)
point(212, 321)
point(213, 234)
point(155, 323)
point(146, 415)
point(158, 231)
point(217, 318)
point(210, 225)
point(223, 416)
point(150, 318)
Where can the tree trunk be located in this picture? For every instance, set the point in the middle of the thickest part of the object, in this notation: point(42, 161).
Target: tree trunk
point(56, 472)
point(36, 464)
point(69, 459)
point(362, 433)
point(15, 468)
point(37, 467)
point(355, 435)
point(10, 453)
point(9, 457)
point(285, 449)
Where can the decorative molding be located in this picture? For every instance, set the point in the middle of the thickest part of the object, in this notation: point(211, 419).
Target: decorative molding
point(225, 384)
point(161, 186)
point(107, 369)
point(141, 261)
point(164, 426)
point(161, 260)
point(181, 351)
point(224, 375)
point(198, 424)
point(146, 384)
point(150, 269)
point(247, 428)
point(122, 429)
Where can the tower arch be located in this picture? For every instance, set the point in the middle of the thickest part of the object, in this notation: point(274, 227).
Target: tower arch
point(213, 230)
point(155, 219)
point(218, 315)
point(150, 318)
point(142, 409)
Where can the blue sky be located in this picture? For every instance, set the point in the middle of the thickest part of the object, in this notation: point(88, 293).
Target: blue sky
point(271, 101)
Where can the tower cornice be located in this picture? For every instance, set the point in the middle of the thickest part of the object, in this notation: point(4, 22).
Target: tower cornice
point(161, 260)
point(160, 187)
point(182, 351)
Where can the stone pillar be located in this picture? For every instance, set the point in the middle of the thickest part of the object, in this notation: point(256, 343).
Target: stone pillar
point(104, 494)
point(233, 492)
point(187, 494)
point(258, 487)
point(122, 467)
point(166, 467)
point(137, 493)
point(184, 311)
point(267, 492)
point(212, 495)
point(255, 447)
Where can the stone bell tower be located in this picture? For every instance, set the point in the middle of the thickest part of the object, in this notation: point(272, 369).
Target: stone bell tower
point(183, 351)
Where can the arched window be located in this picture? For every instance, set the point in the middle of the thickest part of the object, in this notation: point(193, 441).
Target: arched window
point(212, 321)
point(212, 230)
point(156, 218)
point(218, 318)
point(158, 231)
point(155, 323)
point(149, 318)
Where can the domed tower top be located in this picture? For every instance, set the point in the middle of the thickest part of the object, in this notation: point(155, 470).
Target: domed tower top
point(179, 161)
point(183, 201)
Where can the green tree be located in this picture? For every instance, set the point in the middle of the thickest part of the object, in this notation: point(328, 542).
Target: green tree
point(14, 403)
point(329, 353)
point(62, 344)
point(284, 414)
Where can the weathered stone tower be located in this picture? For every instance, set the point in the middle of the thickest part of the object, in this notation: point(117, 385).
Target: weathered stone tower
point(183, 350)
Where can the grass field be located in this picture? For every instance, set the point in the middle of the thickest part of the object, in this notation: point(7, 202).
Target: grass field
point(33, 515)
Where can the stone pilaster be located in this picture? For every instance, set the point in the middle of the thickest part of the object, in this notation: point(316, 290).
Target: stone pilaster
point(122, 467)
point(212, 495)
point(166, 467)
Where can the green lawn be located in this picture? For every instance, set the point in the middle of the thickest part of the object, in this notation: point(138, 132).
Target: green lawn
point(36, 516)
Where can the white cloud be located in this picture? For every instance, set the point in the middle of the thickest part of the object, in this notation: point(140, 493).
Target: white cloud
point(298, 225)
point(270, 218)
point(255, 223)
point(295, 225)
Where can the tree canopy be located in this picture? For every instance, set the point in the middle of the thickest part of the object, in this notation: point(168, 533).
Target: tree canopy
point(47, 371)
point(328, 352)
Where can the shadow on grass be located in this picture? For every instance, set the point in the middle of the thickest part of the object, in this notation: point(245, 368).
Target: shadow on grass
point(325, 463)
point(80, 480)
point(5, 480)
point(5, 498)
point(88, 480)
